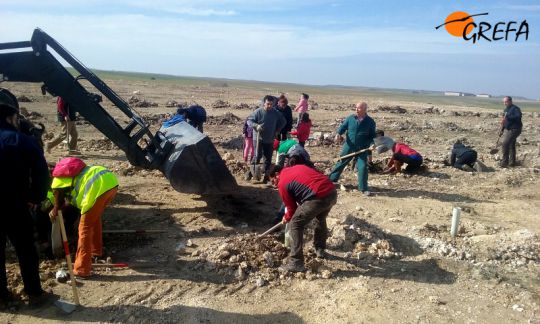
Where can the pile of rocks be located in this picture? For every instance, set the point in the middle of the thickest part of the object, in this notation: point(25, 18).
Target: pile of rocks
point(103, 144)
point(226, 119)
point(171, 103)
point(155, 119)
point(136, 101)
point(391, 109)
point(245, 106)
point(321, 139)
point(221, 104)
point(362, 240)
point(128, 170)
point(236, 167)
point(248, 258)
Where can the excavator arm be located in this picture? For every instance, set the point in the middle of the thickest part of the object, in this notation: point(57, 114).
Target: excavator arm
point(187, 158)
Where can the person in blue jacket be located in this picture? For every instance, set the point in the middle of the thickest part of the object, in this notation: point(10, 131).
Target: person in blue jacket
point(511, 127)
point(195, 115)
point(360, 129)
point(25, 181)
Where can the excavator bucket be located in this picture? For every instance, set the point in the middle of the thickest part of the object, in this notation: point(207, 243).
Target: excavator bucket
point(194, 165)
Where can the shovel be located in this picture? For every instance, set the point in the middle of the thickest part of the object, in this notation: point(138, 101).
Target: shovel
point(273, 228)
point(255, 168)
point(495, 150)
point(66, 306)
point(351, 154)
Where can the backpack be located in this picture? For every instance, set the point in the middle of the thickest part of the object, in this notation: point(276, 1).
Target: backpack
point(68, 167)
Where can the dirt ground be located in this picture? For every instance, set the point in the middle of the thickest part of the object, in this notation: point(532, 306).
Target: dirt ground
point(391, 255)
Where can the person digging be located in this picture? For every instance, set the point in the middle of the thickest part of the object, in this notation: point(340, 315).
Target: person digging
point(308, 195)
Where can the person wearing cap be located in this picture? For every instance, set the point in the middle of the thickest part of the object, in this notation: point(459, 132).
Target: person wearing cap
point(195, 115)
point(90, 189)
point(25, 179)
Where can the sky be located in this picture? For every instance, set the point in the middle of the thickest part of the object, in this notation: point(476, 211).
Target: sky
point(387, 44)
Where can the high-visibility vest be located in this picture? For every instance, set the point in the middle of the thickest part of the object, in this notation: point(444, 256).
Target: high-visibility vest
point(87, 186)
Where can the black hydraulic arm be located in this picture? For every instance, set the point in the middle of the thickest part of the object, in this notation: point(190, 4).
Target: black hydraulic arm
point(37, 64)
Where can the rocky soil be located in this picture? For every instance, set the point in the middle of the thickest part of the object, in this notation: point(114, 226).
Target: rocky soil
point(391, 257)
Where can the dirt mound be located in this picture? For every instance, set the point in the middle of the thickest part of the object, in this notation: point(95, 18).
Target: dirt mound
point(47, 270)
point(360, 237)
point(235, 143)
point(226, 119)
point(391, 109)
point(221, 104)
point(237, 167)
point(139, 102)
point(245, 106)
point(24, 98)
point(155, 119)
point(248, 258)
point(126, 169)
point(103, 144)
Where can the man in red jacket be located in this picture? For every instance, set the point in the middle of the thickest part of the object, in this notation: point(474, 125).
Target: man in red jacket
point(307, 194)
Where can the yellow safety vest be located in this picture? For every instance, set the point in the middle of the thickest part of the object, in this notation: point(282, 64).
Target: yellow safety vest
point(87, 186)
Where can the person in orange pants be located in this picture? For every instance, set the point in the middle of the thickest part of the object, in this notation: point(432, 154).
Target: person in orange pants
point(90, 189)
point(90, 242)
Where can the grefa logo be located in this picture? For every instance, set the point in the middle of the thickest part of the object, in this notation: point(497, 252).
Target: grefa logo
point(461, 24)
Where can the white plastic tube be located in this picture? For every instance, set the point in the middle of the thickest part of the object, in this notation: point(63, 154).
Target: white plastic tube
point(456, 214)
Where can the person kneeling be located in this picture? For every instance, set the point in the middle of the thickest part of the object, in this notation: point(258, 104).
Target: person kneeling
point(308, 195)
point(401, 154)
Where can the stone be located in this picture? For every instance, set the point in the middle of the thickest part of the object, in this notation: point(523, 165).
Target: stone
point(326, 274)
point(224, 254)
point(189, 243)
point(267, 256)
point(517, 308)
point(240, 274)
point(260, 282)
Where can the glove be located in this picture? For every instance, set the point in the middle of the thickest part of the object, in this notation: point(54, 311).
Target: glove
point(284, 221)
point(258, 128)
point(339, 139)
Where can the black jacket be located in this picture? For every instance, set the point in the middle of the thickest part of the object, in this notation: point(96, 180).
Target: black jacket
point(512, 117)
point(23, 169)
point(287, 114)
point(457, 152)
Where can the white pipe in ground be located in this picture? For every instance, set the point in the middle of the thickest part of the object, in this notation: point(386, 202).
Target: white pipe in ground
point(456, 213)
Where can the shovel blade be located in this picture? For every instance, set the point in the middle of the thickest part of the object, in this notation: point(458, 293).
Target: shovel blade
point(65, 306)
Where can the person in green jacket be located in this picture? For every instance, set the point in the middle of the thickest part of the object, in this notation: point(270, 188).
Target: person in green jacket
point(360, 129)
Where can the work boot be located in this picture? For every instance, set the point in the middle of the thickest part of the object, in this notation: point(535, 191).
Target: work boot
point(503, 165)
point(479, 166)
point(366, 193)
point(466, 167)
point(292, 267)
point(42, 299)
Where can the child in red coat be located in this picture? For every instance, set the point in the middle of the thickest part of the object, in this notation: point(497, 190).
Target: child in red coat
point(303, 129)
